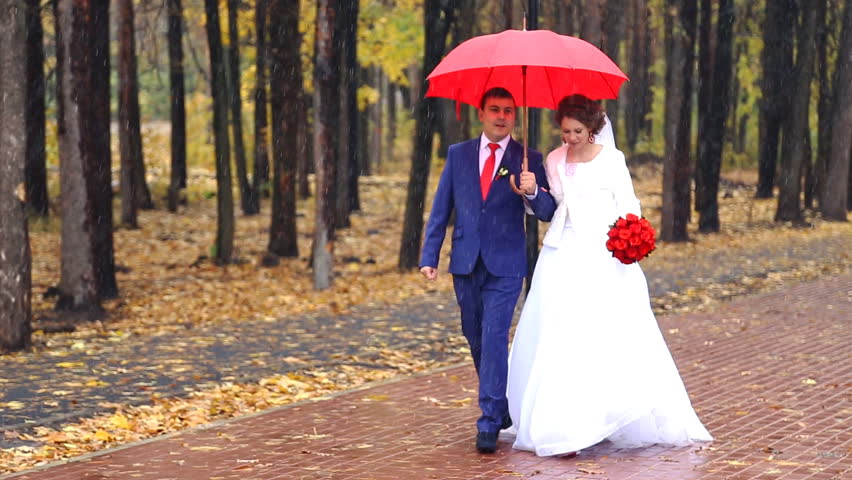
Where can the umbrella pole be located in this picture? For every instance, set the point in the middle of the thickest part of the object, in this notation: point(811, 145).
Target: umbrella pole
point(525, 164)
point(526, 112)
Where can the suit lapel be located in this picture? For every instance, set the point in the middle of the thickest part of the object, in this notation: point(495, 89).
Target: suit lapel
point(512, 158)
point(470, 171)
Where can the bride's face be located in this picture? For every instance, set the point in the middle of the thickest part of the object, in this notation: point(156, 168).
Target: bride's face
point(574, 133)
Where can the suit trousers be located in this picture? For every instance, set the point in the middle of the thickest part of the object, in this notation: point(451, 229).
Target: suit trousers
point(487, 303)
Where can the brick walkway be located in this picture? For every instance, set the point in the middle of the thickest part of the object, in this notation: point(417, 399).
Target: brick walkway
point(770, 375)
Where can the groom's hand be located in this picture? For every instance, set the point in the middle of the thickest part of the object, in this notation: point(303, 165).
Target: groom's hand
point(431, 273)
point(528, 183)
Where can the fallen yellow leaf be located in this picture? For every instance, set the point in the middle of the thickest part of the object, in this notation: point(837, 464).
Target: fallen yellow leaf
point(70, 364)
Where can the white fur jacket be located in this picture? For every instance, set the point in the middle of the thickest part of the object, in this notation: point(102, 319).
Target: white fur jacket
point(597, 193)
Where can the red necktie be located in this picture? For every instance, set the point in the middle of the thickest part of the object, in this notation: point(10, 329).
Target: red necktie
point(488, 171)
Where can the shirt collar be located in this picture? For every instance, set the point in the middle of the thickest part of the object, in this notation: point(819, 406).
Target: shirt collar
point(483, 142)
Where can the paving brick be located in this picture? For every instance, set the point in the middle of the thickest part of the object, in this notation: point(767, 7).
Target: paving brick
point(769, 376)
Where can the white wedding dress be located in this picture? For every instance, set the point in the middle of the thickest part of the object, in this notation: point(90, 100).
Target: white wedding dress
point(588, 362)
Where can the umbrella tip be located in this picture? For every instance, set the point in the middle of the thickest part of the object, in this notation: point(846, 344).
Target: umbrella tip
point(524, 24)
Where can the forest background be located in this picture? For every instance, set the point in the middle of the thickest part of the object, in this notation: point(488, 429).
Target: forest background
point(265, 159)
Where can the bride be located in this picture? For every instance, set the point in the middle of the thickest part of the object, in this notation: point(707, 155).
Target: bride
point(588, 362)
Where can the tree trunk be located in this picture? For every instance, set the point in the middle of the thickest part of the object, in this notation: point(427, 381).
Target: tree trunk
point(613, 35)
point(249, 199)
point(740, 130)
point(36, 158)
point(129, 135)
point(463, 29)
point(375, 137)
point(445, 113)
point(16, 267)
point(260, 179)
point(680, 41)
point(305, 142)
point(390, 132)
point(824, 103)
point(794, 147)
point(436, 28)
point(326, 115)
point(78, 288)
point(101, 170)
point(849, 186)
point(592, 22)
point(345, 33)
point(177, 176)
point(837, 193)
point(218, 83)
point(506, 11)
point(712, 138)
point(351, 11)
point(571, 18)
point(285, 94)
point(777, 63)
point(808, 173)
point(133, 186)
point(706, 54)
point(638, 89)
point(448, 124)
point(364, 132)
point(449, 127)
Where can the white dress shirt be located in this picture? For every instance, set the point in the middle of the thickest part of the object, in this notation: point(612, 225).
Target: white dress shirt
point(485, 152)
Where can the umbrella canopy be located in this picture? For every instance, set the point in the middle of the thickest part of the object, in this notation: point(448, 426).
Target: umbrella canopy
point(551, 66)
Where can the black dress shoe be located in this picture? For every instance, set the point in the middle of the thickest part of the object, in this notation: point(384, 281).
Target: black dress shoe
point(507, 422)
point(486, 442)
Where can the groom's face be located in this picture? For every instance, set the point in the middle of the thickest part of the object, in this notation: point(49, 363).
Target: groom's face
point(498, 118)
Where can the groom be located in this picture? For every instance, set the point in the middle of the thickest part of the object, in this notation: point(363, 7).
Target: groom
point(488, 258)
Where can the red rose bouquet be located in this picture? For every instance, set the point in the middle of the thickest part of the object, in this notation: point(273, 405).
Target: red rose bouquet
point(631, 239)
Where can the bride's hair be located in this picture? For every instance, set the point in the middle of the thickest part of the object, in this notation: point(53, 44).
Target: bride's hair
point(581, 108)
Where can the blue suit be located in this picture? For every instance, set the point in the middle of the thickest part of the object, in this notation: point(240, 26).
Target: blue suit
point(488, 258)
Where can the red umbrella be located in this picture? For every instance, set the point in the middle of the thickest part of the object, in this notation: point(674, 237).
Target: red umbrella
point(538, 67)
point(556, 66)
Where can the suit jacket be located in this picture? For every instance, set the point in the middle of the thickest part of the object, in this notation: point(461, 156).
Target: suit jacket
point(494, 228)
point(605, 193)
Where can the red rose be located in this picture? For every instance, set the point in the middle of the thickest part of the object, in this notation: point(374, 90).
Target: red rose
point(635, 241)
point(621, 223)
point(635, 228)
point(624, 233)
point(644, 222)
point(632, 252)
point(620, 244)
point(610, 245)
point(632, 218)
point(646, 236)
point(645, 249)
point(613, 232)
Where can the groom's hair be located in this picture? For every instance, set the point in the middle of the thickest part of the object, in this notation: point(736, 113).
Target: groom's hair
point(495, 92)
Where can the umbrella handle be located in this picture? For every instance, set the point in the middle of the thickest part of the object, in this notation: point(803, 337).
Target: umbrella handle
point(515, 188)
